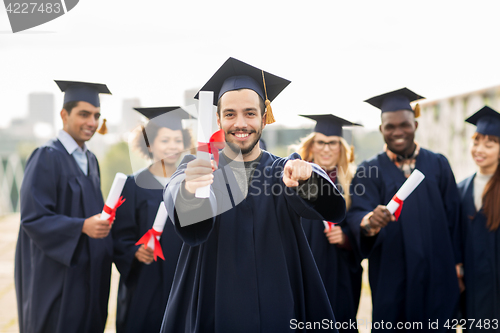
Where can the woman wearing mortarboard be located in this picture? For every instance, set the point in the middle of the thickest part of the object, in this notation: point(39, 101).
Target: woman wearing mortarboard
point(144, 282)
point(480, 218)
point(337, 261)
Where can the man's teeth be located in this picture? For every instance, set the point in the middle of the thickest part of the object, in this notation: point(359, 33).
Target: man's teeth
point(238, 135)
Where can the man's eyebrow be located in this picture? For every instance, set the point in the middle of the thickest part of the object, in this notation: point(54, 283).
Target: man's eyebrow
point(88, 112)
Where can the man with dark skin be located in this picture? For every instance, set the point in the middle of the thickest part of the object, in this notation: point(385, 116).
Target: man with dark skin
point(412, 258)
point(398, 129)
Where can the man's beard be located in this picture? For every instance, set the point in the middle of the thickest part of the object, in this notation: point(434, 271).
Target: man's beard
point(244, 151)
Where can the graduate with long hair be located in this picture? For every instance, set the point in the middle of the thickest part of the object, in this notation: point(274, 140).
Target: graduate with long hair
point(480, 218)
point(337, 260)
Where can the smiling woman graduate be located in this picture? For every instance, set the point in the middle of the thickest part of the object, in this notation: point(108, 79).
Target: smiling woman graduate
point(246, 265)
point(337, 260)
point(480, 218)
point(412, 260)
point(145, 284)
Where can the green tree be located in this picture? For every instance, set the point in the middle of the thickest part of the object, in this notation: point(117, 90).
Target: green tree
point(116, 160)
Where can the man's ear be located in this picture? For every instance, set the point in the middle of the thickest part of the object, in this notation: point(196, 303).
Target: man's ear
point(416, 125)
point(218, 120)
point(64, 116)
point(380, 128)
point(264, 120)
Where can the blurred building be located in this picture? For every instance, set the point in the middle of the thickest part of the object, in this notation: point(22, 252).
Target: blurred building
point(442, 127)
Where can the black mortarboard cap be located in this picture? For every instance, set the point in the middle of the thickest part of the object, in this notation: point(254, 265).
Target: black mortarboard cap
point(75, 91)
point(165, 116)
point(328, 124)
point(395, 100)
point(487, 121)
point(235, 74)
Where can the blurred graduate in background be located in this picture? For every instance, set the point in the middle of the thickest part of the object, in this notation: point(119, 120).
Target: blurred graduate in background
point(144, 282)
point(338, 261)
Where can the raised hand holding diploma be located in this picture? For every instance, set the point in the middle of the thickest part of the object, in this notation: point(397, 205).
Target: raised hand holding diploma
point(114, 200)
point(396, 203)
point(151, 238)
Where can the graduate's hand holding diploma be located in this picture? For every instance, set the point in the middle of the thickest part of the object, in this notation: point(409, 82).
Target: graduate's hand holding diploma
point(335, 235)
point(296, 172)
point(95, 227)
point(382, 215)
point(380, 218)
point(199, 173)
point(145, 255)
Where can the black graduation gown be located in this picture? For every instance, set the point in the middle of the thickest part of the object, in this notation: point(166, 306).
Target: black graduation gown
point(62, 276)
point(340, 270)
point(250, 268)
point(481, 254)
point(412, 261)
point(143, 289)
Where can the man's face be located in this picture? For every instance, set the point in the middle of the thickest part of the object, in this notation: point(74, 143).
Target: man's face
point(398, 129)
point(241, 120)
point(82, 122)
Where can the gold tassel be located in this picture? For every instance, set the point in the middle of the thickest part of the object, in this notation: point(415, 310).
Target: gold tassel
point(269, 113)
point(417, 110)
point(104, 129)
point(269, 110)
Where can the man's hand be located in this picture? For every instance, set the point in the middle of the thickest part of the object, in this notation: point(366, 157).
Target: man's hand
point(94, 227)
point(296, 172)
point(381, 217)
point(335, 235)
point(199, 173)
point(145, 255)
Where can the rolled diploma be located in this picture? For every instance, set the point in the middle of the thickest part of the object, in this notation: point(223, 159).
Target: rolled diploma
point(114, 193)
point(205, 100)
point(159, 223)
point(406, 189)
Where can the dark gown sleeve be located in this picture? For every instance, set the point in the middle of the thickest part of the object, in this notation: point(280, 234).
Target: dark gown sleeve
point(56, 235)
point(365, 198)
point(125, 230)
point(451, 200)
point(328, 205)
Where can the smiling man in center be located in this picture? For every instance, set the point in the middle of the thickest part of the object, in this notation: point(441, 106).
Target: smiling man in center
point(246, 265)
point(412, 260)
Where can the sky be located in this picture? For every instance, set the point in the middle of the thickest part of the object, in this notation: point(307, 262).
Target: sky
point(336, 53)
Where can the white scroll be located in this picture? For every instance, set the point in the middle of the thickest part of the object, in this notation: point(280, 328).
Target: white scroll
point(406, 189)
point(159, 223)
point(205, 101)
point(114, 194)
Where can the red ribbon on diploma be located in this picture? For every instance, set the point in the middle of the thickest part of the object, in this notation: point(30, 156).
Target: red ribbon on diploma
point(398, 211)
point(330, 225)
point(112, 211)
point(145, 240)
point(217, 141)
